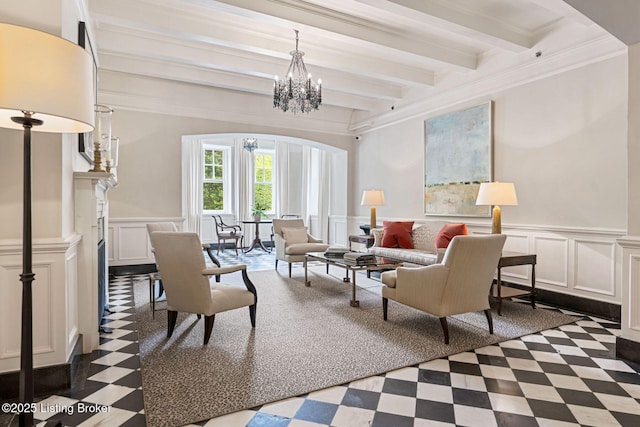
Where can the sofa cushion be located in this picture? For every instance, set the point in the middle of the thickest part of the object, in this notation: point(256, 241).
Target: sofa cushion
point(448, 232)
point(295, 234)
point(397, 234)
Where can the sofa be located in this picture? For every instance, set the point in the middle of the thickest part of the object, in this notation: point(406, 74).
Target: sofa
point(424, 251)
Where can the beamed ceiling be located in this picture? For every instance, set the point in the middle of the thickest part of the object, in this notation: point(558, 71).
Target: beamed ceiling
point(379, 60)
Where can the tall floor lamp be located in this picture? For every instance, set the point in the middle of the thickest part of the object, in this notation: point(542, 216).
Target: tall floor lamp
point(46, 84)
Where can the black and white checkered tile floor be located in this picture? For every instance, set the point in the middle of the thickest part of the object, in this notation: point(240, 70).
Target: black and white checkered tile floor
point(566, 376)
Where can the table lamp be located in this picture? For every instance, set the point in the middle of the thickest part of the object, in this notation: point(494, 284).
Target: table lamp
point(497, 194)
point(372, 198)
point(46, 84)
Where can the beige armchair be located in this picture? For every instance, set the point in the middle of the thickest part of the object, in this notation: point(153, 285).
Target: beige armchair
point(293, 241)
point(170, 226)
point(461, 283)
point(187, 283)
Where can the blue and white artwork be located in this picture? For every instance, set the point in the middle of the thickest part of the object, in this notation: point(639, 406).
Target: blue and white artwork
point(458, 157)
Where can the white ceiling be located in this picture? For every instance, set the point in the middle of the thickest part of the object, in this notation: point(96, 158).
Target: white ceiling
point(378, 59)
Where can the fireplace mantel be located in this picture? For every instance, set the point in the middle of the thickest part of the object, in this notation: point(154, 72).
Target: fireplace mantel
point(91, 222)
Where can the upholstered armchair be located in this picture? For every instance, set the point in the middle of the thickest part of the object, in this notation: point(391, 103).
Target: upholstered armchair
point(188, 285)
point(293, 241)
point(460, 284)
point(170, 226)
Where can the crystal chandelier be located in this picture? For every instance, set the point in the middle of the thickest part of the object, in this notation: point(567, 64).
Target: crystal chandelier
point(250, 144)
point(297, 92)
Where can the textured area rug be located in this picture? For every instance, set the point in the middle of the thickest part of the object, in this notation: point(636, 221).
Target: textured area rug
point(306, 338)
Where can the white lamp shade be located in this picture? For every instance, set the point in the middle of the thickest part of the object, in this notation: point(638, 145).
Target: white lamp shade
point(372, 198)
point(48, 76)
point(497, 193)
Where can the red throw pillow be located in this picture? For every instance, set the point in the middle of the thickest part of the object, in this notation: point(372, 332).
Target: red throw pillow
point(447, 233)
point(397, 234)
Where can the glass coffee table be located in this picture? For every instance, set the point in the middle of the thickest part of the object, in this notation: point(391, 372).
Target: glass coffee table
point(380, 264)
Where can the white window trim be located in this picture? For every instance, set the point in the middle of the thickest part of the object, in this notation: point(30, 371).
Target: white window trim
point(227, 181)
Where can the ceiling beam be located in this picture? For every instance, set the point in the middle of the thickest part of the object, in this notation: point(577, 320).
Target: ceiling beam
point(458, 21)
point(356, 28)
point(184, 73)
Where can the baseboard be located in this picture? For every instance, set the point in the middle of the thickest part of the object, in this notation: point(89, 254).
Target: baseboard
point(628, 350)
point(119, 270)
point(605, 310)
point(46, 380)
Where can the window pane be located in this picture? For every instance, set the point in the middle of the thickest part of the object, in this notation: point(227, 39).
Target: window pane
point(218, 155)
point(259, 175)
point(208, 157)
point(268, 161)
point(267, 175)
point(208, 172)
point(259, 160)
point(212, 193)
point(263, 195)
point(218, 172)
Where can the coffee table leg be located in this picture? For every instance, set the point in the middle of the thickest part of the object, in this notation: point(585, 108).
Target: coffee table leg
point(345, 279)
point(306, 281)
point(354, 302)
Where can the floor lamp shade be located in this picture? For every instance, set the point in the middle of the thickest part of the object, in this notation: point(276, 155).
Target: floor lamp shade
point(372, 198)
point(48, 76)
point(46, 85)
point(497, 194)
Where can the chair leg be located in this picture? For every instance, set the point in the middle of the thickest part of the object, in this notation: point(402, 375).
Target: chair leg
point(236, 245)
point(218, 252)
point(172, 317)
point(276, 263)
point(198, 316)
point(445, 329)
point(208, 327)
point(289, 269)
point(489, 320)
point(213, 258)
point(385, 306)
point(252, 315)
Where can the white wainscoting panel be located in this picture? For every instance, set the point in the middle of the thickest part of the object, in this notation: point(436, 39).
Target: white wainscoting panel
point(595, 262)
point(517, 242)
point(130, 244)
point(338, 234)
point(55, 309)
point(575, 261)
point(552, 260)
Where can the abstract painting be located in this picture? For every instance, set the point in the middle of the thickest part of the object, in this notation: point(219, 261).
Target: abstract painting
point(458, 157)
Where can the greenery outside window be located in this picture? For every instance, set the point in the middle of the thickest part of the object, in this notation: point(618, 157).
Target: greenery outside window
point(216, 184)
point(263, 187)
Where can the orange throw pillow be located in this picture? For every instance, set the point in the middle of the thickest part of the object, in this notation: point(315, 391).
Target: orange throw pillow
point(447, 233)
point(397, 234)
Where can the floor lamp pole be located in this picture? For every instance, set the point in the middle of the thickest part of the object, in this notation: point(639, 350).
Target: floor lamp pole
point(27, 277)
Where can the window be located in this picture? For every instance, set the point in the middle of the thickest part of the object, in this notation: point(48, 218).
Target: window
point(263, 183)
point(216, 181)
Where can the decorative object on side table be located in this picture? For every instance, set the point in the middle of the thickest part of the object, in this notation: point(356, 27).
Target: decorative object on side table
point(497, 193)
point(39, 73)
point(258, 211)
point(372, 198)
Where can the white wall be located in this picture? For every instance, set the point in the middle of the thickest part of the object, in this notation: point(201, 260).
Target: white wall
point(563, 141)
point(149, 173)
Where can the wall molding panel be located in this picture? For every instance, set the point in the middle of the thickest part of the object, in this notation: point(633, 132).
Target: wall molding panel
point(594, 266)
point(552, 249)
point(55, 309)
